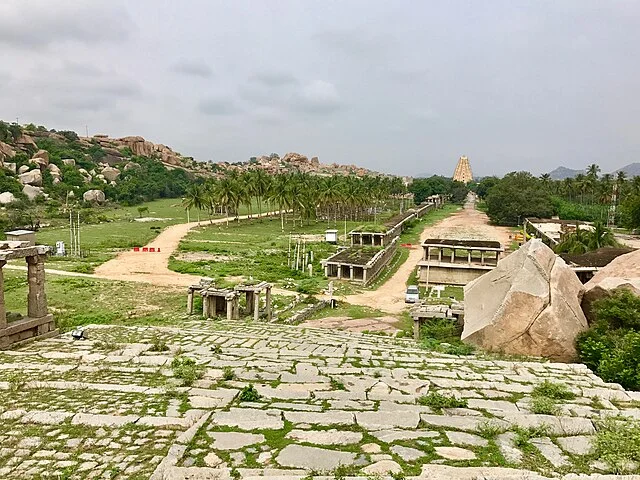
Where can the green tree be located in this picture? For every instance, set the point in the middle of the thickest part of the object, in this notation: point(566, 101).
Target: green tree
point(516, 196)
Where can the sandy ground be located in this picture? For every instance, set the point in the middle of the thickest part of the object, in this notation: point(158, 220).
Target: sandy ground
point(153, 267)
point(466, 224)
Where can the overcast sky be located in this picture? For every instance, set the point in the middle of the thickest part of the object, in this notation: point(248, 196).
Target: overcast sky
point(403, 87)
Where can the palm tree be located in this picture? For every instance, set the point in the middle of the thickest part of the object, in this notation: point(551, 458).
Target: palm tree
point(226, 194)
point(194, 198)
point(279, 195)
point(600, 237)
point(576, 242)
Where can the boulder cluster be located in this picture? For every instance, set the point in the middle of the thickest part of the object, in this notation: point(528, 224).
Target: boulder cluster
point(532, 303)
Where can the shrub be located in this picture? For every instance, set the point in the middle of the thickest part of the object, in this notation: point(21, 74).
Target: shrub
point(309, 286)
point(228, 373)
point(186, 369)
point(158, 345)
point(555, 391)
point(617, 443)
point(249, 394)
point(438, 401)
point(544, 406)
point(611, 347)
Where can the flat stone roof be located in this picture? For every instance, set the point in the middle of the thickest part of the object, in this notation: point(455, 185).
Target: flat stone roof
point(447, 242)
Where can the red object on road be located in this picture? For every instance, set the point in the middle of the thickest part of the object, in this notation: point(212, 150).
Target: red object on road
point(145, 249)
point(406, 245)
point(136, 249)
point(152, 250)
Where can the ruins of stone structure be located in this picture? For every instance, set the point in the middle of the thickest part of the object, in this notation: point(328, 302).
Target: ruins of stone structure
point(456, 262)
point(463, 173)
point(252, 294)
point(528, 305)
point(225, 301)
point(38, 322)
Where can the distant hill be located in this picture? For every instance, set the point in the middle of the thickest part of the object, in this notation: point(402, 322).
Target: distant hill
point(561, 173)
point(632, 170)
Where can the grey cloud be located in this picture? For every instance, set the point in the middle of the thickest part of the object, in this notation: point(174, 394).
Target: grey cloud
point(192, 68)
point(274, 79)
point(218, 106)
point(76, 86)
point(38, 23)
point(318, 97)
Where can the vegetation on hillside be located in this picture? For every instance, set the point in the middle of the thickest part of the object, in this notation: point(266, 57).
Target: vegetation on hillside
point(611, 346)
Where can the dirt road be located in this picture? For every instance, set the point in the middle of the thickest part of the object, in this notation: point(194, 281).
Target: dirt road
point(467, 223)
point(153, 267)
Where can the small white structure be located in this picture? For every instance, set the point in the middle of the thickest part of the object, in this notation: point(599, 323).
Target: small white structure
point(331, 236)
point(60, 251)
point(22, 236)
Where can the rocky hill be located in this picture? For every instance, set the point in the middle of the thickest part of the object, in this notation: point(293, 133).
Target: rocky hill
point(561, 173)
point(39, 162)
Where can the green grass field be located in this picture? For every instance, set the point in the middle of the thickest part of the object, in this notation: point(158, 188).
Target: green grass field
point(253, 248)
point(102, 241)
point(79, 301)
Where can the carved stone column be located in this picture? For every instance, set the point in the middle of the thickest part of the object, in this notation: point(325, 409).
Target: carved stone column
point(37, 298)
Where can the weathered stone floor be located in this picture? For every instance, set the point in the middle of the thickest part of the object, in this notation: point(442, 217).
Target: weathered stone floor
point(331, 403)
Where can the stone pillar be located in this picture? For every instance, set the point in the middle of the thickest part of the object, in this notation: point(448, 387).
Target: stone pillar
point(468, 257)
point(416, 328)
point(268, 303)
point(481, 257)
point(440, 254)
point(453, 255)
point(256, 306)
point(364, 276)
point(205, 306)
point(3, 311)
point(351, 272)
point(229, 309)
point(250, 299)
point(339, 271)
point(36, 299)
point(190, 302)
point(427, 254)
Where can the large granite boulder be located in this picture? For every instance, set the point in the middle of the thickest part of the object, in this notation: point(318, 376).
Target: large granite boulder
point(622, 273)
point(6, 151)
point(7, 198)
point(33, 192)
point(32, 177)
point(41, 158)
point(110, 173)
point(94, 196)
point(529, 305)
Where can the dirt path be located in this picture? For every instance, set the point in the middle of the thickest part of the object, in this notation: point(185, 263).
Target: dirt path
point(153, 267)
point(467, 223)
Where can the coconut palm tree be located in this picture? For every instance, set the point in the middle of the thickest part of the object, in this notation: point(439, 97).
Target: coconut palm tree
point(194, 198)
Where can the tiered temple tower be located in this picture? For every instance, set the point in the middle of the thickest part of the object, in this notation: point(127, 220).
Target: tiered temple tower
point(462, 172)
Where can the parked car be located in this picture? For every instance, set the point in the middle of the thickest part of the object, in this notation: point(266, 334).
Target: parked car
point(412, 294)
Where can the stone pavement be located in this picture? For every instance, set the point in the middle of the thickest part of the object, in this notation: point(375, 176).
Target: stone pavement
point(331, 403)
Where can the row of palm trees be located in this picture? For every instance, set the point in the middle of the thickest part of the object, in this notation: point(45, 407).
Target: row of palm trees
point(591, 187)
point(305, 196)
